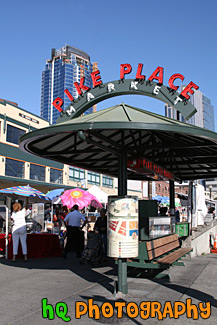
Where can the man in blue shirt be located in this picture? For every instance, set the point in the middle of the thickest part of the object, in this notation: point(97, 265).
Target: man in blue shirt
point(73, 224)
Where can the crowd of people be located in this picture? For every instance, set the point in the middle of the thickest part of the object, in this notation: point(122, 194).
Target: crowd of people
point(71, 219)
point(75, 221)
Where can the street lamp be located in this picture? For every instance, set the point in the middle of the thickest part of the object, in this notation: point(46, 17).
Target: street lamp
point(210, 191)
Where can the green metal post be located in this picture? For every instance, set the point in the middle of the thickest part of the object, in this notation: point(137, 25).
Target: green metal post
point(172, 198)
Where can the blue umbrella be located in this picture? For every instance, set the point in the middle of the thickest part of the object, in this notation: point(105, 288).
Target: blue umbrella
point(157, 197)
point(55, 193)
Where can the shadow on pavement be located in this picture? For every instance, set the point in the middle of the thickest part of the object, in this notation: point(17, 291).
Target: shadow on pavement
point(99, 274)
point(102, 274)
point(114, 319)
point(193, 293)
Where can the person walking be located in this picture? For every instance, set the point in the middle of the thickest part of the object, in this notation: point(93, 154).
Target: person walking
point(73, 224)
point(19, 230)
point(101, 228)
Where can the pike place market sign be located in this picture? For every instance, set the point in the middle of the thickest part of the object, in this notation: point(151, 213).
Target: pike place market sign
point(152, 87)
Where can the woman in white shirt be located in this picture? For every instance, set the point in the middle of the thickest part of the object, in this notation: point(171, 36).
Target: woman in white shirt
point(19, 230)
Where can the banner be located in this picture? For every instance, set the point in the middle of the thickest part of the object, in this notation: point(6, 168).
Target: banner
point(122, 226)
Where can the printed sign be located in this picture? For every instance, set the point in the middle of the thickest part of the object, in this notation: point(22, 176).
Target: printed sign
point(122, 226)
point(38, 213)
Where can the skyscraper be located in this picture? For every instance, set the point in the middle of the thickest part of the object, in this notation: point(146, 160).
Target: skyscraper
point(203, 118)
point(205, 111)
point(66, 66)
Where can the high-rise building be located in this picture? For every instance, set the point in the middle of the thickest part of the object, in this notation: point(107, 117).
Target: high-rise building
point(203, 118)
point(66, 66)
point(205, 111)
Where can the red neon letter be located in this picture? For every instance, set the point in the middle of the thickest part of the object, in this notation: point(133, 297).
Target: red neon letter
point(154, 75)
point(68, 94)
point(96, 78)
point(188, 89)
point(172, 78)
point(81, 86)
point(125, 69)
point(139, 71)
point(57, 103)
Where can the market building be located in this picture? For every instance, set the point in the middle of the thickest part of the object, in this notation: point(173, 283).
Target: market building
point(18, 168)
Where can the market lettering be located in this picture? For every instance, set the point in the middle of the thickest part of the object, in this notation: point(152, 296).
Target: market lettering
point(125, 69)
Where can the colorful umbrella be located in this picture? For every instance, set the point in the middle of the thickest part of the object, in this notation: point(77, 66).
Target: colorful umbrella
point(27, 191)
point(80, 197)
point(55, 193)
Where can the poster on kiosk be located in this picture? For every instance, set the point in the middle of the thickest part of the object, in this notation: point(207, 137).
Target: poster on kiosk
point(122, 228)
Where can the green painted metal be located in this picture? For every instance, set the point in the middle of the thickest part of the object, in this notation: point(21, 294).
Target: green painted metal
point(4, 123)
point(21, 109)
point(162, 276)
point(172, 198)
point(178, 147)
point(182, 229)
point(18, 123)
point(118, 117)
point(16, 153)
point(32, 182)
point(142, 261)
point(125, 87)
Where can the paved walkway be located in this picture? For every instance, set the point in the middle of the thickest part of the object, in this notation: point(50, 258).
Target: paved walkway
point(24, 285)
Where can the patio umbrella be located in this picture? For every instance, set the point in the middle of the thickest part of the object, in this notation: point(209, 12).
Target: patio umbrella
point(21, 191)
point(26, 191)
point(80, 197)
point(97, 192)
point(55, 193)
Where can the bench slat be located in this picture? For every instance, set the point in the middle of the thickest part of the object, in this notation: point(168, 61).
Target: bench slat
point(163, 249)
point(155, 243)
point(174, 256)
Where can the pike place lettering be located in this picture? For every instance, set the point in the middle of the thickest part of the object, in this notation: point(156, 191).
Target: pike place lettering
point(151, 86)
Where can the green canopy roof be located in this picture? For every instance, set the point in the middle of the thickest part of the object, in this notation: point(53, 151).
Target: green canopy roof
point(95, 141)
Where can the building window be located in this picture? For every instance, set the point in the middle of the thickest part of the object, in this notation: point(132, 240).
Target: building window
point(93, 178)
point(107, 181)
point(37, 172)
point(14, 168)
point(13, 134)
point(56, 176)
point(76, 174)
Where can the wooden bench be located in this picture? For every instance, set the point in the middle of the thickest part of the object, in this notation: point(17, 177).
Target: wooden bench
point(159, 253)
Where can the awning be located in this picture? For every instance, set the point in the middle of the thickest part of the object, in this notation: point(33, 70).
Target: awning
point(95, 142)
point(99, 194)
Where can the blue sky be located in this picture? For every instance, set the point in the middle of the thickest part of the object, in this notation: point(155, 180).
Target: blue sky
point(177, 35)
